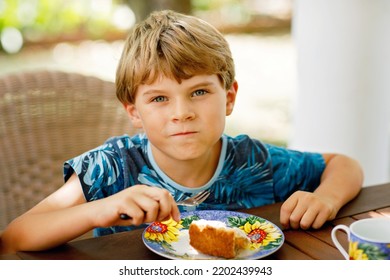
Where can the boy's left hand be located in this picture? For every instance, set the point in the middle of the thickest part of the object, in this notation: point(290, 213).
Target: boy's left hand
point(305, 209)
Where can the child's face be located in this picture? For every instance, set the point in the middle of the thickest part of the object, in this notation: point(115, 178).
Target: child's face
point(183, 121)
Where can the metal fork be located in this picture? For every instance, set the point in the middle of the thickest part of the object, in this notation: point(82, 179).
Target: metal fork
point(191, 201)
point(195, 200)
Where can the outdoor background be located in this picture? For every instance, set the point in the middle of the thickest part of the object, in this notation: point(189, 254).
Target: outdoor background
point(87, 36)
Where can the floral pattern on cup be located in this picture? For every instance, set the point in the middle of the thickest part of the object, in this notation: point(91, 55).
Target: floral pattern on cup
point(359, 250)
point(368, 239)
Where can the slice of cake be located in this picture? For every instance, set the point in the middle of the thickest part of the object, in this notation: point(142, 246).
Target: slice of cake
point(216, 239)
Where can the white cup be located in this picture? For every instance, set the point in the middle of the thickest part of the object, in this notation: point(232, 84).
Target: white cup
point(369, 239)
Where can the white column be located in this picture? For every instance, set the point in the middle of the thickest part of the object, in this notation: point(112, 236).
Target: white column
point(343, 95)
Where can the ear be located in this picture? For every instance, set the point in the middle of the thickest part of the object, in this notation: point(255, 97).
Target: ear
point(133, 115)
point(231, 98)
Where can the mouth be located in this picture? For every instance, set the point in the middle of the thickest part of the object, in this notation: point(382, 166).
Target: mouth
point(185, 133)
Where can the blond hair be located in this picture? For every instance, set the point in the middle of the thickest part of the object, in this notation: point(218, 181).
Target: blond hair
point(173, 45)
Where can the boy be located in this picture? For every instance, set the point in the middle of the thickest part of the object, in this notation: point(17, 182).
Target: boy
point(176, 81)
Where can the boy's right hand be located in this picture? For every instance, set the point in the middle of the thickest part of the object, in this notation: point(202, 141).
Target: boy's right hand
point(143, 204)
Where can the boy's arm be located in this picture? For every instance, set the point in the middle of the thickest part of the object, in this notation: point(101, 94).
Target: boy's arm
point(55, 220)
point(65, 215)
point(341, 181)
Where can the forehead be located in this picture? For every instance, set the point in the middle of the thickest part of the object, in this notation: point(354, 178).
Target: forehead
point(165, 83)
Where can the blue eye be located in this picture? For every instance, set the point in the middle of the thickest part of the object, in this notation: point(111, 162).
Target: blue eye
point(159, 99)
point(199, 92)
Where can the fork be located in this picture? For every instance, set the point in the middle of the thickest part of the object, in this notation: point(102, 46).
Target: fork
point(191, 201)
point(195, 200)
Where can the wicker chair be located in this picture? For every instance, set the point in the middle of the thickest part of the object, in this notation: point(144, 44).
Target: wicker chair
point(47, 117)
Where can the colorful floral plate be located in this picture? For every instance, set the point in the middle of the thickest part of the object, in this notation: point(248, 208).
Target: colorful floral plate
point(170, 239)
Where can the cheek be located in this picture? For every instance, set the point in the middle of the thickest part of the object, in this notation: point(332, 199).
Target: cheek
point(221, 112)
point(152, 120)
point(216, 118)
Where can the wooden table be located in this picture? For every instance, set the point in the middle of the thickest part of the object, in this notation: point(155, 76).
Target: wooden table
point(299, 244)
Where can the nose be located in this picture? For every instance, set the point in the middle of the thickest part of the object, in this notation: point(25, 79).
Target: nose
point(182, 111)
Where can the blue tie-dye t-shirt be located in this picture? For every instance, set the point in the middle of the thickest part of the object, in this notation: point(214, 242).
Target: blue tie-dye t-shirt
point(249, 173)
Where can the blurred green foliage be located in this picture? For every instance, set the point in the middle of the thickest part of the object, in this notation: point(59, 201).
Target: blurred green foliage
point(40, 20)
point(51, 16)
point(206, 5)
point(51, 21)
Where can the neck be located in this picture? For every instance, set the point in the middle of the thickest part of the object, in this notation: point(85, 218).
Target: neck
point(192, 173)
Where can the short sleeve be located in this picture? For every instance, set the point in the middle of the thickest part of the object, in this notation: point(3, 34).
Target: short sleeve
point(294, 170)
point(100, 171)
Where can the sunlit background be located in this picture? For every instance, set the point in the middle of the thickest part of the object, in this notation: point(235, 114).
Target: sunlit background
point(87, 37)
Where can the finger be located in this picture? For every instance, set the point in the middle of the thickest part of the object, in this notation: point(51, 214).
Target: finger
point(140, 208)
point(150, 208)
point(296, 216)
point(175, 213)
point(167, 204)
point(321, 218)
point(135, 216)
point(308, 218)
point(286, 210)
point(169, 208)
point(157, 193)
point(300, 207)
